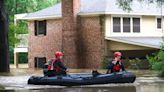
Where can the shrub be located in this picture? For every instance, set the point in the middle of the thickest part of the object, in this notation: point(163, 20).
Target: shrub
point(158, 66)
point(106, 62)
point(139, 64)
point(152, 58)
point(161, 73)
point(11, 54)
point(23, 58)
point(156, 60)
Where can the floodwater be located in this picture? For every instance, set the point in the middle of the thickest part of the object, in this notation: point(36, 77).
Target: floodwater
point(16, 81)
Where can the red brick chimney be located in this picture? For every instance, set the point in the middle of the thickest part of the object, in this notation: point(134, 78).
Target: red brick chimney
point(70, 8)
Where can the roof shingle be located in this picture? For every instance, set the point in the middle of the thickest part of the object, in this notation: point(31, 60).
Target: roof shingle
point(102, 6)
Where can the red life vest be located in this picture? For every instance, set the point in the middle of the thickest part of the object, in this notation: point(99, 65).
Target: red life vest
point(117, 66)
point(56, 67)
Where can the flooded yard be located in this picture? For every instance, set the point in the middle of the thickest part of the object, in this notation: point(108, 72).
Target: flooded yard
point(16, 81)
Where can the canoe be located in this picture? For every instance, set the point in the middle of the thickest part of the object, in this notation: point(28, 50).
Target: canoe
point(83, 79)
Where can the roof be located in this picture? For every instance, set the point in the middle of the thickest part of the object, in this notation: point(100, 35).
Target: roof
point(152, 42)
point(89, 7)
point(112, 7)
point(50, 12)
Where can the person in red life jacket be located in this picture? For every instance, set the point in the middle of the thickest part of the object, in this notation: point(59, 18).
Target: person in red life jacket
point(116, 65)
point(56, 65)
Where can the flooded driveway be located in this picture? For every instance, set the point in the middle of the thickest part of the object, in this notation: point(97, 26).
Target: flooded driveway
point(16, 81)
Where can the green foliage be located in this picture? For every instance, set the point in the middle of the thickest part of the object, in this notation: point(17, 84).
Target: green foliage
point(161, 73)
point(14, 30)
point(23, 58)
point(22, 6)
point(105, 62)
point(129, 63)
point(12, 38)
point(162, 44)
point(152, 58)
point(156, 60)
point(139, 64)
point(21, 27)
point(126, 4)
point(11, 53)
point(25, 6)
point(160, 56)
point(158, 66)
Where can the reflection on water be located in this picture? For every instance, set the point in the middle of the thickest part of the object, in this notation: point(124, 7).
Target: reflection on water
point(1, 87)
point(91, 89)
point(16, 81)
point(81, 89)
point(151, 87)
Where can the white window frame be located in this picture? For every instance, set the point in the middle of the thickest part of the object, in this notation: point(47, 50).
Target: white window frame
point(140, 23)
point(121, 22)
point(130, 24)
point(156, 24)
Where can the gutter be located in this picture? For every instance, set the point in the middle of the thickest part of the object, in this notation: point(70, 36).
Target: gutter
point(132, 42)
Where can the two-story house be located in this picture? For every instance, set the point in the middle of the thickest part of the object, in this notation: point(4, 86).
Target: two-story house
point(89, 30)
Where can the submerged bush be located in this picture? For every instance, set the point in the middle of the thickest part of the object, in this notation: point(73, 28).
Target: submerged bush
point(161, 73)
point(157, 60)
point(158, 66)
point(139, 64)
point(105, 62)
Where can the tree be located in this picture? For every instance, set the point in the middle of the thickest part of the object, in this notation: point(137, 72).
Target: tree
point(126, 4)
point(22, 6)
point(4, 52)
point(13, 7)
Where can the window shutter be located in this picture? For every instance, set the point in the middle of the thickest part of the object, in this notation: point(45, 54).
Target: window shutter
point(45, 27)
point(35, 28)
point(35, 62)
point(159, 23)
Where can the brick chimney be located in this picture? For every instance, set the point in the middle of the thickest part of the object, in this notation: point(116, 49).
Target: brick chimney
point(70, 8)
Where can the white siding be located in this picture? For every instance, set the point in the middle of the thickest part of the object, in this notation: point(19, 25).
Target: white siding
point(148, 28)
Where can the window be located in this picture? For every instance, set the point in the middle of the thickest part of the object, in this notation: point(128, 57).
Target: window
point(136, 25)
point(116, 24)
point(39, 62)
point(40, 27)
point(126, 24)
point(159, 23)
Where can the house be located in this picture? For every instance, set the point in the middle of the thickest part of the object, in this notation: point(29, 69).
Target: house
point(89, 30)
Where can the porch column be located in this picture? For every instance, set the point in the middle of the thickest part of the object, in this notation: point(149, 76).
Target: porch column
point(16, 59)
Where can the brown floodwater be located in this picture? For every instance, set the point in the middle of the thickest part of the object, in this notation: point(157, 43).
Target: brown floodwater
point(16, 81)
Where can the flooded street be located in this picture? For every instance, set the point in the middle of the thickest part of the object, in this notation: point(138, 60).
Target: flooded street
point(16, 81)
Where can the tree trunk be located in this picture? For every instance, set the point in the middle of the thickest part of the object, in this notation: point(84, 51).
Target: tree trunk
point(4, 48)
